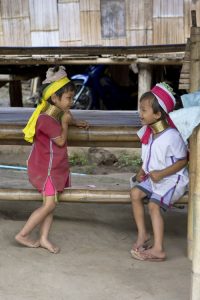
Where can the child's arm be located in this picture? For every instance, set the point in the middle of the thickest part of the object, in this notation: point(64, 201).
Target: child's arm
point(65, 120)
point(160, 174)
point(140, 175)
point(78, 123)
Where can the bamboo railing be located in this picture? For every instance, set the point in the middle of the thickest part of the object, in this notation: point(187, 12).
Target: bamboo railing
point(106, 128)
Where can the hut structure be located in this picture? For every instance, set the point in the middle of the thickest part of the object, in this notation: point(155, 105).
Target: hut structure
point(99, 23)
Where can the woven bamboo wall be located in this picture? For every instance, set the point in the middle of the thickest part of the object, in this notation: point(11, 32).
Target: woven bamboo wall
point(95, 22)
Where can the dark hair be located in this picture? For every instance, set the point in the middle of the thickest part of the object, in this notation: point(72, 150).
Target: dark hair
point(69, 87)
point(154, 104)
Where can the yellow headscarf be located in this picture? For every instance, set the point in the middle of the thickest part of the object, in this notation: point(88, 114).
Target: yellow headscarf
point(29, 130)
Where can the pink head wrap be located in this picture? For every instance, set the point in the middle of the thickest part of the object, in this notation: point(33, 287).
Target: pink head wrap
point(164, 94)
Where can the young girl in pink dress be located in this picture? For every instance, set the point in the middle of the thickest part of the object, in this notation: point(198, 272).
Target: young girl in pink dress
point(163, 177)
point(48, 167)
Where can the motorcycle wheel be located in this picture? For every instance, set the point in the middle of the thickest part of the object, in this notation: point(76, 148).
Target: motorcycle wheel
point(84, 101)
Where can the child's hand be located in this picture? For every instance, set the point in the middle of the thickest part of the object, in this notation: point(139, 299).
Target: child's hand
point(81, 124)
point(140, 175)
point(155, 176)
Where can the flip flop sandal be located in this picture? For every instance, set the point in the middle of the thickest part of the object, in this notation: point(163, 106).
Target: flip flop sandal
point(147, 245)
point(147, 257)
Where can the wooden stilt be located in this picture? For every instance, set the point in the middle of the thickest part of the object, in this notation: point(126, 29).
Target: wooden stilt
point(15, 91)
point(144, 79)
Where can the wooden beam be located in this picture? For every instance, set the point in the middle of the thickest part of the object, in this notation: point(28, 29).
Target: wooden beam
point(110, 60)
point(92, 50)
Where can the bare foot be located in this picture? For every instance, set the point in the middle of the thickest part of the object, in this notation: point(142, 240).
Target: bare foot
point(26, 241)
point(49, 246)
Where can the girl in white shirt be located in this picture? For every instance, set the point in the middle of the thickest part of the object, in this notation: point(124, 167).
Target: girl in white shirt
point(163, 177)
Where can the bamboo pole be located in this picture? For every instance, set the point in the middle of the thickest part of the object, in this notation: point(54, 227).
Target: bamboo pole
point(195, 288)
point(105, 136)
point(192, 176)
point(75, 195)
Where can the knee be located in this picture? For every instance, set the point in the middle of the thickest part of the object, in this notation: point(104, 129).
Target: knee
point(153, 207)
point(135, 195)
point(50, 205)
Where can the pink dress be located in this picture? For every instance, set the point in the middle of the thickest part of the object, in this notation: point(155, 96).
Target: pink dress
point(47, 160)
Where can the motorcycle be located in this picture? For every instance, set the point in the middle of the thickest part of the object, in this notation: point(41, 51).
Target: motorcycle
point(96, 88)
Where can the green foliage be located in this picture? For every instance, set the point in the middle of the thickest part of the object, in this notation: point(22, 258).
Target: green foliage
point(77, 159)
point(127, 160)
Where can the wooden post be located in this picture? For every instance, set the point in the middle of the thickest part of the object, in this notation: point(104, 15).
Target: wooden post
point(194, 200)
point(194, 86)
point(195, 288)
point(15, 91)
point(144, 79)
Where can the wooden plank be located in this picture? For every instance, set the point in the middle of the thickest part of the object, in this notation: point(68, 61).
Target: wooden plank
point(14, 9)
point(45, 38)
point(172, 8)
point(70, 43)
point(195, 5)
point(68, 1)
point(184, 76)
point(18, 29)
point(139, 14)
point(89, 5)
point(114, 42)
point(168, 31)
point(139, 37)
point(1, 33)
point(183, 86)
point(69, 20)
point(90, 28)
point(43, 15)
point(185, 80)
point(187, 18)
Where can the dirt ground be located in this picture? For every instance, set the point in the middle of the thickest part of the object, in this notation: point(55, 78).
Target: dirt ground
point(95, 241)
